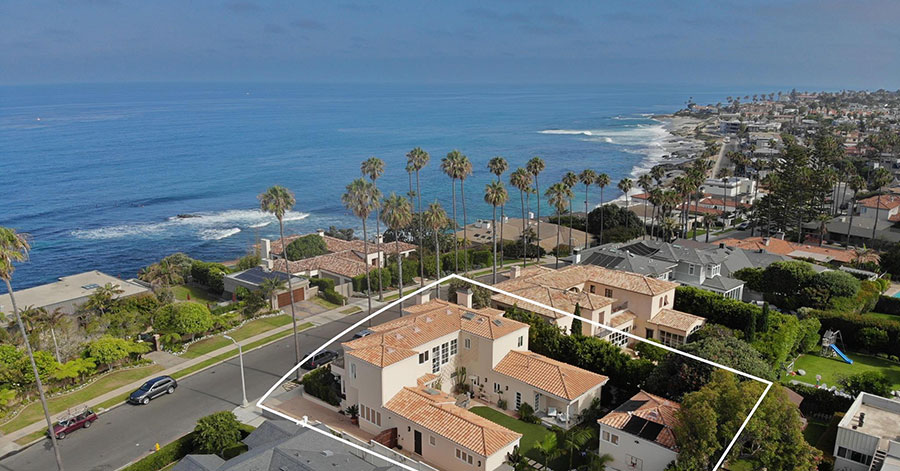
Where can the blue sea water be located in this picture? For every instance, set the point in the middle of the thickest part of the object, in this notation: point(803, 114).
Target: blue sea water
point(97, 174)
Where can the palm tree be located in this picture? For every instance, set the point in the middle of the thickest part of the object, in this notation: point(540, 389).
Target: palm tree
point(725, 175)
point(645, 181)
point(436, 219)
point(397, 214)
point(626, 185)
point(362, 198)
point(373, 167)
point(558, 194)
point(570, 180)
point(521, 179)
point(451, 167)
point(602, 181)
point(270, 286)
point(880, 178)
point(278, 200)
point(516, 459)
point(573, 440)
point(465, 169)
point(417, 159)
point(547, 449)
point(587, 178)
point(52, 320)
point(14, 248)
point(535, 166)
point(857, 184)
point(596, 462)
point(495, 195)
point(498, 166)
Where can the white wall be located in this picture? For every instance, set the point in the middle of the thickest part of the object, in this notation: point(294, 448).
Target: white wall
point(652, 456)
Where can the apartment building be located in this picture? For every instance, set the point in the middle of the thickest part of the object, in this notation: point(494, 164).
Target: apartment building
point(630, 302)
point(868, 437)
point(639, 434)
point(402, 374)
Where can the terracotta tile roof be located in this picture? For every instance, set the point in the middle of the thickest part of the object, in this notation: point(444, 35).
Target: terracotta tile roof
point(676, 319)
point(333, 244)
point(438, 413)
point(621, 318)
point(382, 355)
point(346, 257)
point(330, 262)
point(557, 378)
point(426, 378)
point(650, 408)
point(783, 247)
point(887, 202)
point(561, 299)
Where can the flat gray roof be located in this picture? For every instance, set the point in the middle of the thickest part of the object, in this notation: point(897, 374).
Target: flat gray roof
point(881, 418)
point(67, 289)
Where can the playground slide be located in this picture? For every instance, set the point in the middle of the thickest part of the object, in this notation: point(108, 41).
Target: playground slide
point(841, 354)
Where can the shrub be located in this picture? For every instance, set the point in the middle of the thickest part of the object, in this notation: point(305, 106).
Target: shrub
point(873, 382)
point(333, 297)
point(872, 339)
point(888, 305)
point(185, 318)
point(211, 275)
point(837, 283)
point(850, 324)
point(305, 247)
point(650, 352)
point(359, 281)
point(482, 258)
point(166, 455)
point(526, 413)
point(481, 297)
point(111, 351)
point(731, 313)
point(216, 432)
point(753, 277)
point(502, 404)
point(820, 401)
point(322, 384)
point(248, 261)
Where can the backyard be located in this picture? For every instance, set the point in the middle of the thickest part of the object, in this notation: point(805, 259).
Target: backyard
point(531, 433)
point(832, 369)
point(196, 294)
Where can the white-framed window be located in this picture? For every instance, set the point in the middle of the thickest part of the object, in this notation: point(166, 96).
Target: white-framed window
point(607, 292)
point(518, 399)
point(497, 387)
point(467, 343)
point(435, 359)
point(445, 353)
point(432, 441)
point(464, 457)
point(618, 338)
point(521, 340)
point(610, 438)
point(537, 401)
point(453, 347)
point(353, 370)
point(423, 357)
point(370, 414)
point(690, 269)
point(670, 339)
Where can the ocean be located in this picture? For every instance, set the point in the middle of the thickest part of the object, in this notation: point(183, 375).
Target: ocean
point(98, 174)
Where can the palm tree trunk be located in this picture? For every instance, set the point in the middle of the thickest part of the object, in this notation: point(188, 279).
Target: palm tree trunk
point(627, 219)
point(455, 225)
point(55, 345)
point(437, 262)
point(601, 215)
point(494, 237)
point(502, 216)
point(587, 218)
point(558, 218)
point(421, 231)
point(644, 236)
point(877, 210)
point(850, 226)
point(571, 222)
point(697, 211)
point(537, 188)
point(287, 269)
point(37, 377)
point(755, 200)
point(366, 259)
point(524, 222)
point(462, 195)
point(400, 271)
point(378, 249)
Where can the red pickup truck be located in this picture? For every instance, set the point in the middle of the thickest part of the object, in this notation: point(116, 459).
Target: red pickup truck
point(73, 423)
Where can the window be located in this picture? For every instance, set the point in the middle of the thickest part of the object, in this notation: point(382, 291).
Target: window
point(666, 303)
point(521, 340)
point(464, 457)
point(445, 353)
point(537, 401)
point(660, 302)
point(370, 415)
point(467, 343)
point(593, 289)
point(670, 339)
point(435, 359)
point(690, 269)
point(618, 338)
point(607, 292)
point(423, 357)
point(610, 437)
point(518, 400)
point(431, 440)
point(353, 370)
point(497, 387)
point(453, 347)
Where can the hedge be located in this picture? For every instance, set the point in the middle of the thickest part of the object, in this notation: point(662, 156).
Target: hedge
point(850, 325)
point(820, 401)
point(322, 384)
point(359, 281)
point(332, 296)
point(324, 284)
point(888, 305)
point(715, 308)
point(211, 275)
point(166, 455)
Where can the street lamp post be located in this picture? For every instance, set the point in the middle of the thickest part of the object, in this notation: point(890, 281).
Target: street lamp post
point(241, 358)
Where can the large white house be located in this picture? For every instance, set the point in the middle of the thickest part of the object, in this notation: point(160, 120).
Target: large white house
point(400, 377)
point(868, 437)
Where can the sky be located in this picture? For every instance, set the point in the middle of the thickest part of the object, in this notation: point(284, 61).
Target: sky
point(831, 44)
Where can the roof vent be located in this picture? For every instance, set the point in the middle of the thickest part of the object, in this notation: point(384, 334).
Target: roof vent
point(398, 336)
point(431, 392)
point(428, 319)
point(469, 316)
point(497, 322)
point(91, 286)
point(416, 329)
point(327, 453)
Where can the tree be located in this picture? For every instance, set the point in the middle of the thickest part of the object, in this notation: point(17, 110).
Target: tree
point(587, 177)
point(836, 283)
point(558, 194)
point(535, 166)
point(625, 185)
point(570, 180)
point(416, 160)
point(873, 382)
point(645, 181)
point(787, 278)
point(187, 318)
point(495, 195)
point(547, 449)
point(465, 169)
point(498, 166)
point(340, 233)
point(397, 214)
point(575, 328)
point(573, 440)
point(278, 200)
point(857, 184)
point(872, 339)
point(521, 179)
point(52, 320)
point(602, 181)
point(307, 246)
point(109, 351)
point(880, 178)
point(216, 432)
point(373, 168)
point(436, 219)
point(362, 198)
point(270, 286)
point(14, 248)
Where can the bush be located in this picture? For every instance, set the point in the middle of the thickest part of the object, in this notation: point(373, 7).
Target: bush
point(514, 250)
point(111, 351)
point(216, 432)
point(185, 318)
point(481, 297)
point(564, 250)
point(211, 275)
point(753, 277)
point(249, 261)
point(359, 281)
point(502, 404)
point(872, 382)
point(820, 401)
point(872, 339)
point(305, 247)
point(333, 297)
point(322, 384)
point(850, 325)
point(888, 305)
point(731, 313)
point(166, 455)
point(322, 283)
point(526, 413)
point(619, 224)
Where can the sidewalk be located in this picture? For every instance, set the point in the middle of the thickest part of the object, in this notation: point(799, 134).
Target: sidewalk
point(7, 442)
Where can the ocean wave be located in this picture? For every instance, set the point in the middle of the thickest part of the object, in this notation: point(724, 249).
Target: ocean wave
point(206, 225)
point(566, 132)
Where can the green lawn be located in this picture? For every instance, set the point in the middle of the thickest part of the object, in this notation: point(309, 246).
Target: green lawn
point(247, 330)
point(324, 303)
point(531, 433)
point(832, 368)
point(199, 295)
point(33, 412)
point(813, 433)
point(890, 317)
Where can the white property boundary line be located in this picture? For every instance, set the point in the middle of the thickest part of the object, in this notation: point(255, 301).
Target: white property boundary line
point(304, 421)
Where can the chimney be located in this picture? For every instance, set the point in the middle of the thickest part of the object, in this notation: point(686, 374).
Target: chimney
point(423, 297)
point(464, 298)
point(379, 239)
point(721, 245)
point(765, 241)
point(505, 219)
point(530, 215)
point(265, 248)
point(576, 254)
point(321, 232)
point(514, 272)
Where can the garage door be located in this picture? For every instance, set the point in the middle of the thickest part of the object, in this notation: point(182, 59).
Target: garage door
point(284, 299)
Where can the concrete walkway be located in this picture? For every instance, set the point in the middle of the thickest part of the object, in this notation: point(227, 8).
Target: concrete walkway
point(7, 442)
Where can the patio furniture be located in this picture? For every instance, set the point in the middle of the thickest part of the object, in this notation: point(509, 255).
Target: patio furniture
point(562, 417)
point(551, 412)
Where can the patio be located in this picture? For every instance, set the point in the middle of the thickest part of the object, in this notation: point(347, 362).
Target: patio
point(297, 405)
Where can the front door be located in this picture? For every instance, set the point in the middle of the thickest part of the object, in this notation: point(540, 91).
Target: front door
point(537, 402)
point(418, 439)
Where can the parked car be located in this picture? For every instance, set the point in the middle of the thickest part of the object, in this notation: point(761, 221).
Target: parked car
point(743, 226)
point(322, 358)
point(152, 389)
point(71, 423)
point(362, 333)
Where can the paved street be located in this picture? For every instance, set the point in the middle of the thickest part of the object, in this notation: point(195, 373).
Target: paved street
point(128, 432)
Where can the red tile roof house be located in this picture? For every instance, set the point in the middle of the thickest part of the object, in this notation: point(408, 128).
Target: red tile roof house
point(889, 209)
point(346, 259)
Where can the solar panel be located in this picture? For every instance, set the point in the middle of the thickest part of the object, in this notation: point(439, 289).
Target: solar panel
point(258, 275)
point(605, 260)
point(630, 405)
point(651, 431)
point(634, 425)
point(640, 249)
